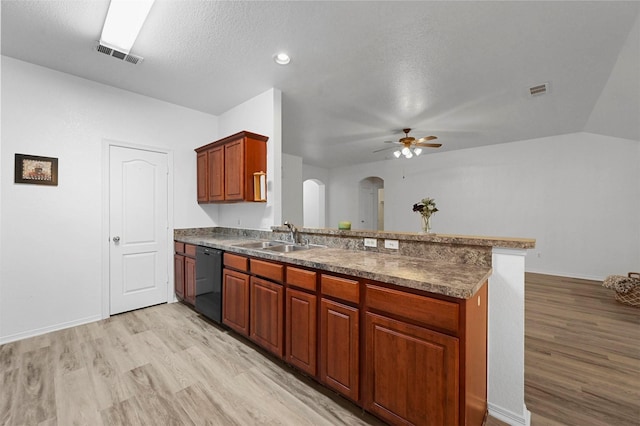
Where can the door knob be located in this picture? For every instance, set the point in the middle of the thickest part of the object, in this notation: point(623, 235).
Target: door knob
point(116, 239)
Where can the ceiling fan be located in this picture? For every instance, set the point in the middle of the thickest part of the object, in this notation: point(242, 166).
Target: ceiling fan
point(410, 145)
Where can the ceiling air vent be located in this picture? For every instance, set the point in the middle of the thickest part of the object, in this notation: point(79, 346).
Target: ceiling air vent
point(540, 89)
point(132, 59)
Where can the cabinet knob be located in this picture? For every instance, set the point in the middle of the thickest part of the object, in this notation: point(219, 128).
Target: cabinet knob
point(116, 239)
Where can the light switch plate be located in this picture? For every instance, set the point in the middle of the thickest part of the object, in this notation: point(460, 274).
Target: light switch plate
point(370, 242)
point(391, 244)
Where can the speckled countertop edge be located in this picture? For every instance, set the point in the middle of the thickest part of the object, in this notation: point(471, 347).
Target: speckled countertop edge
point(461, 281)
point(471, 240)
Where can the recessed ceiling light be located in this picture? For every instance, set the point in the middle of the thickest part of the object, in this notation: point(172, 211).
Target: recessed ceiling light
point(282, 59)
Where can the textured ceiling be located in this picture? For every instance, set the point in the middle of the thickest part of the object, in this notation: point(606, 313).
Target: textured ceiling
point(360, 71)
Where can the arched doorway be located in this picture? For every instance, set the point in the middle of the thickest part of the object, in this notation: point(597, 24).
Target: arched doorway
point(313, 199)
point(371, 204)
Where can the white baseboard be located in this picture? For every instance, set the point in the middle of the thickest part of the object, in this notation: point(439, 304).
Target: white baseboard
point(509, 417)
point(48, 329)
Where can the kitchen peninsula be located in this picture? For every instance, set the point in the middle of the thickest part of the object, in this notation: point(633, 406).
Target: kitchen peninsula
point(427, 297)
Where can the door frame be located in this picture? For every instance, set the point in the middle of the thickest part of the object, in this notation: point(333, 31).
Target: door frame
point(104, 233)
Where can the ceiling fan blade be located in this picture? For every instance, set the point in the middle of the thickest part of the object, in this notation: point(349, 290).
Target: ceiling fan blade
point(396, 142)
point(429, 145)
point(427, 138)
point(385, 149)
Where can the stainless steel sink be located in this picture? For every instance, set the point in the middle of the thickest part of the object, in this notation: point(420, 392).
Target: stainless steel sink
point(260, 244)
point(287, 248)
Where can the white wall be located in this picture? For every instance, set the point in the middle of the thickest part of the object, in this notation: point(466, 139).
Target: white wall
point(51, 277)
point(263, 115)
point(292, 193)
point(578, 195)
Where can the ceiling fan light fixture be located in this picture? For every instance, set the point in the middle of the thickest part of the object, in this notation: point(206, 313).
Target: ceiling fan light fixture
point(282, 58)
point(409, 154)
point(417, 151)
point(406, 151)
point(397, 154)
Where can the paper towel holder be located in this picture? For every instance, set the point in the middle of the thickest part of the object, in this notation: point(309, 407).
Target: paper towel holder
point(260, 186)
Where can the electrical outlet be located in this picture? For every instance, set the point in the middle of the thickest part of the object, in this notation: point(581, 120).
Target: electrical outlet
point(391, 244)
point(370, 242)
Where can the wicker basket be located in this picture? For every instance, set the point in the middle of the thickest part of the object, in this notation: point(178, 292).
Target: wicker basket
point(631, 297)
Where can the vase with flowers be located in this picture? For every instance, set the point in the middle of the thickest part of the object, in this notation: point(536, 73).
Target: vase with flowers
point(426, 207)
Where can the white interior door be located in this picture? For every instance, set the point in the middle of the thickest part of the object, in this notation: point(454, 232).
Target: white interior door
point(138, 223)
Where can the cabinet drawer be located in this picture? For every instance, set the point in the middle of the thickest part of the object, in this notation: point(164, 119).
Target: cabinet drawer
point(273, 271)
point(425, 310)
point(178, 247)
point(236, 262)
point(190, 250)
point(301, 278)
point(340, 288)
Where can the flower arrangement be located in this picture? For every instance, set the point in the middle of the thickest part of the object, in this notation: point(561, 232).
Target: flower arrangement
point(426, 207)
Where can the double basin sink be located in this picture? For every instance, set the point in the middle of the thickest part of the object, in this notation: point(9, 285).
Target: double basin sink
point(277, 246)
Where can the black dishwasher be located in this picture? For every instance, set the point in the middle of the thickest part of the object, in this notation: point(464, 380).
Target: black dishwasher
point(209, 283)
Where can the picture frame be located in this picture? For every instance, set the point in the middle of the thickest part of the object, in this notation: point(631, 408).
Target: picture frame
point(36, 170)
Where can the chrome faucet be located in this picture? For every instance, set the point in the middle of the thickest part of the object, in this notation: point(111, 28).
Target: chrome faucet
point(292, 230)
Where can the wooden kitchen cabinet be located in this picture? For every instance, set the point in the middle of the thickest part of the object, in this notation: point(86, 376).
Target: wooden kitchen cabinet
point(301, 313)
point(411, 373)
point(215, 174)
point(300, 331)
point(433, 348)
point(190, 280)
point(340, 347)
point(202, 177)
point(226, 168)
point(178, 270)
point(184, 263)
point(340, 335)
point(235, 300)
point(267, 315)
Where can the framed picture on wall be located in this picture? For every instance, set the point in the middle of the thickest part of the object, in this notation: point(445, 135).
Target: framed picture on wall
point(36, 170)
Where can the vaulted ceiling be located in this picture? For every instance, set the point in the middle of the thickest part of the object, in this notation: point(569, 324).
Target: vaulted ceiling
point(360, 71)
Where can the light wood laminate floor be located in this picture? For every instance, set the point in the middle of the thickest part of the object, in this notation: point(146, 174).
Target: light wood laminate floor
point(582, 354)
point(165, 365)
point(162, 365)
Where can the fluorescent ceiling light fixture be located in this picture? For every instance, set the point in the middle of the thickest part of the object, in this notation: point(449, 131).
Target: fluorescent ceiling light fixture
point(123, 23)
point(282, 59)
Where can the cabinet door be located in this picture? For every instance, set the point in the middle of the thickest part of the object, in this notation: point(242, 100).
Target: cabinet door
point(178, 270)
point(234, 170)
point(340, 348)
point(411, 373)
point(190, 280)
point(215, 174)
point(202, 177)
point(235, 300)
point(266, 315)
point(301, 330)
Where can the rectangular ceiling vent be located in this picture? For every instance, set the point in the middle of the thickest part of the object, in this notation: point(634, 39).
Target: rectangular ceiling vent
point(540, 89)
point(132, 59)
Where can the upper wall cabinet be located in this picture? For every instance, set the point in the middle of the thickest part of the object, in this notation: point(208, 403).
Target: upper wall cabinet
point(226, 169)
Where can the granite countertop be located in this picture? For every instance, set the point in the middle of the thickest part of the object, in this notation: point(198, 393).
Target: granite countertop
point(461, 281)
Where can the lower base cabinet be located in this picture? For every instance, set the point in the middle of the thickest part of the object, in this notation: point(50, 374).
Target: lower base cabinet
point(235, 303)
point(266, 315)
point(411, 373)
point(184, 265)
point(300, 332)
point(340, 348)
point(407, 357)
